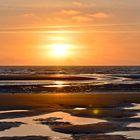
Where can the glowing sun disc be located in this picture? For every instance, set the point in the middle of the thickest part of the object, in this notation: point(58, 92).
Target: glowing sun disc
point(60, 50)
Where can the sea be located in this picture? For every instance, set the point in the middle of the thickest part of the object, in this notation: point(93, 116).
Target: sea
point(69, 79)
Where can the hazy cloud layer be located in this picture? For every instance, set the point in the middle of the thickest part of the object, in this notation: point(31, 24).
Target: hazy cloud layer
point(42, 12)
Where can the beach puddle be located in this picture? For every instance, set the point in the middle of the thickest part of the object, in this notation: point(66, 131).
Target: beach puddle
point(135, 124)
point(80, 108)
point(32, 127)
point(13, 111)
point(71, 119)
point(131, 134)
point(134, 106)
point(128, 134)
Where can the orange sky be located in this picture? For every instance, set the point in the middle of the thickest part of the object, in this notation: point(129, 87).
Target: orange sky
point(90, 32)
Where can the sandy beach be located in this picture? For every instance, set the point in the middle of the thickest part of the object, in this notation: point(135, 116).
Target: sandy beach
point(111, 107)
point(33, 101)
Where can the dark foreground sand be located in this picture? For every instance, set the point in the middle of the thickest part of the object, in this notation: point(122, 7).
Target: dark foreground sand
point(109, 106)
point(34, 101)
point(100, 137)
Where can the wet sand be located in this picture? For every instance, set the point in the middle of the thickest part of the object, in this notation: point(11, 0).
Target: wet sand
point(58, 101)
point(111, 107)
point(41, 77)
point(100, 137)
point(25, 138)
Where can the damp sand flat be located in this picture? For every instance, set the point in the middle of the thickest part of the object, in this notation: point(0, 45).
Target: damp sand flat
point(41, 77)
point(21, 101)
point(65, 102)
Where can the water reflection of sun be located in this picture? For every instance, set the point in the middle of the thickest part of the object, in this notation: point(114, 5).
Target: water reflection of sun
point(60, 84)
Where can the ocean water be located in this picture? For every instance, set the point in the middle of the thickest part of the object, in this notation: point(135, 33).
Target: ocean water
point(69, 79)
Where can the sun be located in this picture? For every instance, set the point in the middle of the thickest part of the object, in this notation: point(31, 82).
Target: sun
point(60, 50)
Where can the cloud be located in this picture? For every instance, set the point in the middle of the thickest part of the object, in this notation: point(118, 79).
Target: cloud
point(55, 19)
point(81, 18)
point(70, 12)
point(30, 18)
point(100, 15)
point(28, 15)
point(83, 5)
point(87, 28)
point(77, 3)
point(79, 15)
point(90, 17)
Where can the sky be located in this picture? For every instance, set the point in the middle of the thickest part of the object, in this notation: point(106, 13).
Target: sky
point(69, 32)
